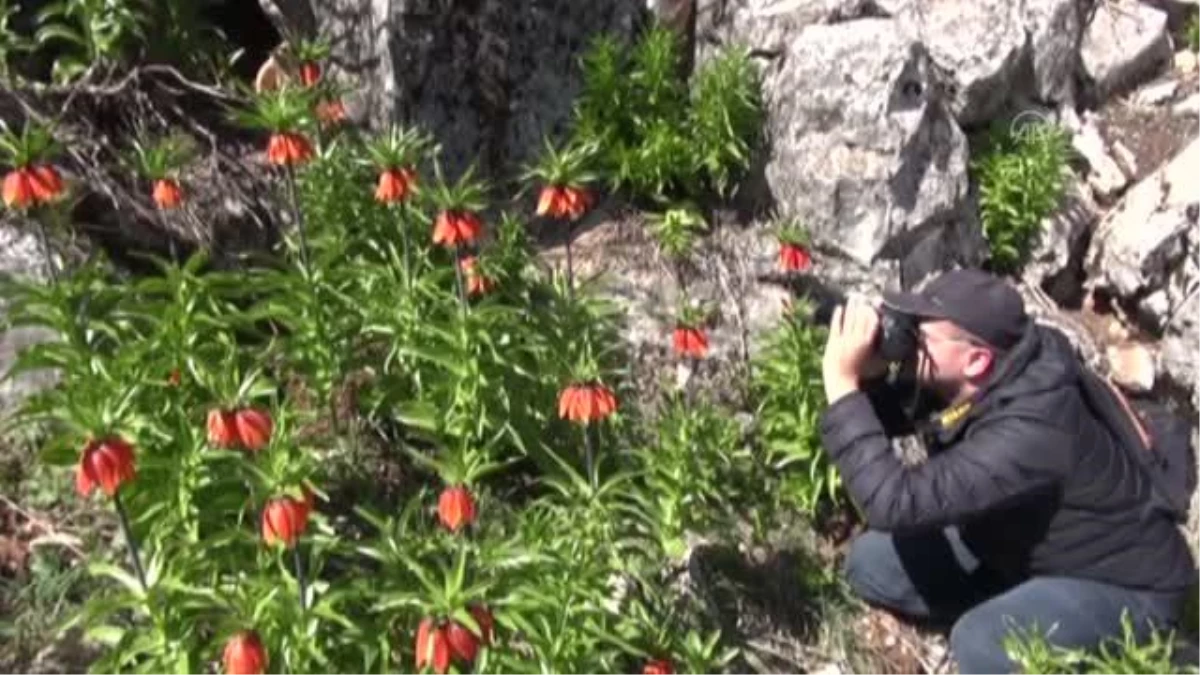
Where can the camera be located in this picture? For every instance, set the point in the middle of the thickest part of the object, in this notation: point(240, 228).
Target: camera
point(897, 338)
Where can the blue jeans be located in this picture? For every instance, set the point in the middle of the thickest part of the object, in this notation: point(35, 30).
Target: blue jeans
point(934, 576)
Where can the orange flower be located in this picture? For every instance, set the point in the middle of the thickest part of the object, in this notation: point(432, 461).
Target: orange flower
point(794, 257)
point(586, 403)
point(108, 463)
point(690, 342)
point(253, 427)
point(456, 508)
point(658, 667)
point(245, 654)
point(288, 148)
point(456, 227)
point(331, 112)
point(31, 185)
point(175, 377)
point(167, 193)
point(222, 433)
point(310, 73)
point(395, 185)
point(477, 284)
point(284, 519)
point(433, 647)
point(563, 201)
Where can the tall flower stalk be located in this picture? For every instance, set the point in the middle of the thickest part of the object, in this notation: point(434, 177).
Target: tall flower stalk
point(564, 196)
point(108, 463)
point(159, 161)
point(32, 182)
point(457, 225)
point(395, 156)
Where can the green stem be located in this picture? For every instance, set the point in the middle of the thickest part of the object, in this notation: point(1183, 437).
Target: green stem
point(299, 565)
point(570, 266)
point(319, 311)
point(404, 244)
point(458, 277)
point(298, 216)
point(589, 456)
point(44, 241)
point(130, 539)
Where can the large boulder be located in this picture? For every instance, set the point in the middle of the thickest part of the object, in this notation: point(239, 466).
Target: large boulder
point(1125, 42)
point(487, 78)
point(863, 146)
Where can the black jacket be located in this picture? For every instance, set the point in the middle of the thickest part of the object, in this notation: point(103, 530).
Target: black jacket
point(1034, 481)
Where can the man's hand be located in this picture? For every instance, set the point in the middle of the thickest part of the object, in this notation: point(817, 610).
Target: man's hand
point(850, 347)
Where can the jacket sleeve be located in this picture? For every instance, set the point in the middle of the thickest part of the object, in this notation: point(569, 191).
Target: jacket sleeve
point(999, 463)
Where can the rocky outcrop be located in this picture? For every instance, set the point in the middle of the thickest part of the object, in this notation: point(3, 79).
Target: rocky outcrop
point(1056, 264)
point(487, 78)
point(1124, 43)
point(1145, 253)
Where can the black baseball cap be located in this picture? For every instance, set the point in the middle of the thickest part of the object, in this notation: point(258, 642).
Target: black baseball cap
point(980, 303)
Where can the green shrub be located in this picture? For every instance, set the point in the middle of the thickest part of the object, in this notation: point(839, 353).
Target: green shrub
point(788, 385)
point(1021, 176)
point(658, 139)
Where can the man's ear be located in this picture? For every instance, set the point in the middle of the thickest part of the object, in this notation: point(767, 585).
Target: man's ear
point(979, 363)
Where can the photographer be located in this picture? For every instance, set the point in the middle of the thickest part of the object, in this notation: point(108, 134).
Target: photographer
point(1029, 510)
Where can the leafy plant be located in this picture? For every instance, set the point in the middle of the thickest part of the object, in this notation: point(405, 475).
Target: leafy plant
point(655, 137)
point(787, 385)
point(1022, 177)
point(1192, 32)
point(1033, 653)
point(91, 33)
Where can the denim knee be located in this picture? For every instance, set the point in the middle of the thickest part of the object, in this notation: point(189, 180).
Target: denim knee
point(977, 644)
point(873, 570)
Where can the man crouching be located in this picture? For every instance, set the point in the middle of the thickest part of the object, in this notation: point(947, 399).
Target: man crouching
point(1028, 514)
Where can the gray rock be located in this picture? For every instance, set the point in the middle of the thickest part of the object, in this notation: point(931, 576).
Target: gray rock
point(1157, 93)
point(864, 149)
point(1056, 264)
point(1055, 29)
point(1125, 43)
point(977, 46)
point(1105, 176)
point(20, 257)
point(487, 78)
point(1144, 238)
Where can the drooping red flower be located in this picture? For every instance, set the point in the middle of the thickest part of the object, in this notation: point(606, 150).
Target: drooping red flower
point(167, 193)
point(477, 283)
point(107, 462)
point(456, 507)
point(310, 73)
point(288, 148)
point(284, 519)
point(563, 201)
point(175, 378)
point(31, 185)
point(464, 644)
point(433, 646)
point(331, 111)
point(690, 342)
point(222, 433)
point(245, 654)
point(454, 227)
point(586, 403)
point(47, 183)
point(658, 667)
point(395, 185)
point(487, 625)
point(794, 257)
point(253, 427)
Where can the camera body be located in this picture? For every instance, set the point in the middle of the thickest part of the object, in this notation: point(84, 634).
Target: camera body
point(897, 338)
